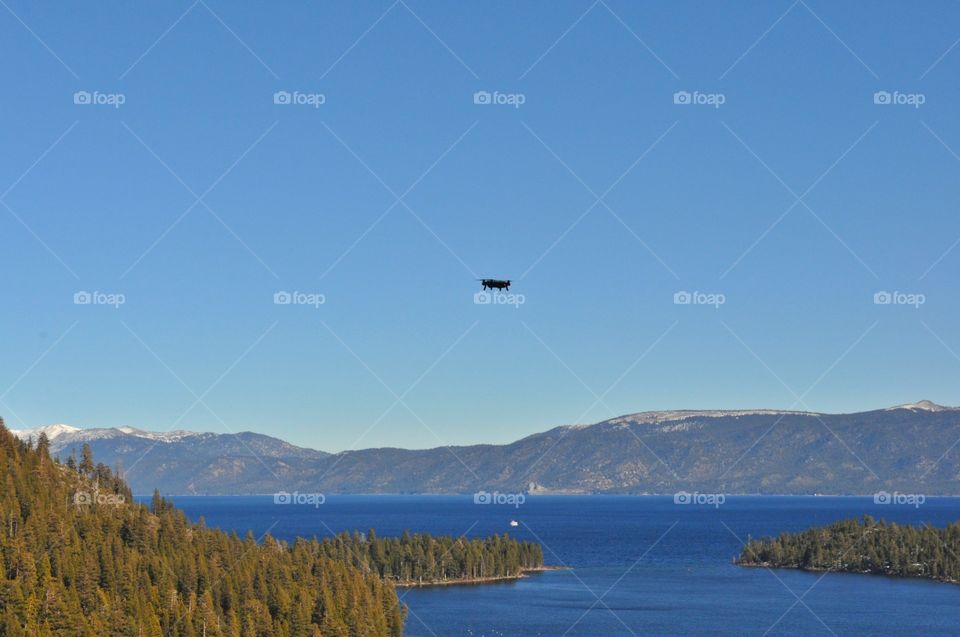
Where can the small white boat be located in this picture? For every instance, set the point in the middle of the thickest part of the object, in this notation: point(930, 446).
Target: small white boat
point(514, 523)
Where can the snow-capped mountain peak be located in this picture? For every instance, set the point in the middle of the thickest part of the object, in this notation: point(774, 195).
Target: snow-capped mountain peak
point(52, 431)
point(71, 434)
point(923, 405)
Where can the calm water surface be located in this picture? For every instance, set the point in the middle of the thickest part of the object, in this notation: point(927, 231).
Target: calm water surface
point(639, 565)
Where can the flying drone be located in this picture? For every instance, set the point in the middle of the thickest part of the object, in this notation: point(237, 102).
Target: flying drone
point(495, 284)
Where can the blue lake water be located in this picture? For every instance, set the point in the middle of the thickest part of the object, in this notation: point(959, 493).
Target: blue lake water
point(638, 565)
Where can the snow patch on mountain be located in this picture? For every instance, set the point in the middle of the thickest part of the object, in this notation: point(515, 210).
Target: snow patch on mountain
point(52, 431)
point(676, 416)
point(656, 417)
point(66, 434)
point(923, 405)
point(162, 436)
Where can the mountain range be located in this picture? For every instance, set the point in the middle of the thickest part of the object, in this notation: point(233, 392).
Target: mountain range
point(913, 448)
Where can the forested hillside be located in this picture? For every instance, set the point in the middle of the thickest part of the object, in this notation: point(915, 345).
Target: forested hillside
point(864, 546)
point(80, 559)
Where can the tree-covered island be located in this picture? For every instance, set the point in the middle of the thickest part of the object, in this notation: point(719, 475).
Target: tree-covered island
point(863, 545)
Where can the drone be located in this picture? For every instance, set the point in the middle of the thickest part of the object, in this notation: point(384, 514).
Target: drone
point(495, 284)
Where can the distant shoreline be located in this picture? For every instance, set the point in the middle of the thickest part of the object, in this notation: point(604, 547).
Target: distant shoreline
point(479, 580)
point(772, 565)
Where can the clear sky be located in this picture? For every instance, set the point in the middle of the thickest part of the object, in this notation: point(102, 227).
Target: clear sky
point(778, 183)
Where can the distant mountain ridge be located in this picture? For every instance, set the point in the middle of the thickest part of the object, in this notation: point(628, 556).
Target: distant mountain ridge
point(911, 447)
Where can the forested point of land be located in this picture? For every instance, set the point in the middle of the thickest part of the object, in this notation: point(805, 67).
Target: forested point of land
point(80, 558)
point(425, 559)
point(863, 545)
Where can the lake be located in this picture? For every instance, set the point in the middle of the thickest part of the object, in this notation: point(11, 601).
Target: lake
point(638, 565)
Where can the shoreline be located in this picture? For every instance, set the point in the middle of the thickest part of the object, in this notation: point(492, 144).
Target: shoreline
point(770, 565)
point(474, 581)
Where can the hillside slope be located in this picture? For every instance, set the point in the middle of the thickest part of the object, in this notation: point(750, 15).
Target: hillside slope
point(80, 559)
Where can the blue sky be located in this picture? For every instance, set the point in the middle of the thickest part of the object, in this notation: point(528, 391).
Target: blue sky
point(198, 198)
